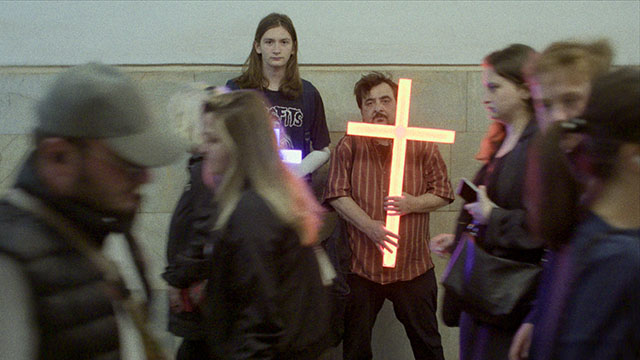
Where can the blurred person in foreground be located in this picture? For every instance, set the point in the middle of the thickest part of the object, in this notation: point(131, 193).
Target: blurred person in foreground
point(191, 222)
point(94, 145)
point(267, 294)
point(560, 78)
point(585, 208)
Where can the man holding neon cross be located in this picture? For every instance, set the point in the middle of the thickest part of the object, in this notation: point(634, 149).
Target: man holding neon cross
point(357, 188)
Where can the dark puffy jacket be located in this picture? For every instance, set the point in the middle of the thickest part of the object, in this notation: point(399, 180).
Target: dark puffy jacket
point(75, 317)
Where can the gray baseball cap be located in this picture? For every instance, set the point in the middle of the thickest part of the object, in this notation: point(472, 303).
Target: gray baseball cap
point(99, 101)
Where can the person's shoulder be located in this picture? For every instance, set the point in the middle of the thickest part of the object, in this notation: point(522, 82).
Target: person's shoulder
point(253, 208)
point(609, 247)
point(23, 235)
point(309, 88)
point(253, 223)
point(346, 142)
point(231, 84)
point(623, 247)
point(423, 149)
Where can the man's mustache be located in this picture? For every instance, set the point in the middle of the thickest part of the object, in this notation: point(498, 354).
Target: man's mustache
point(380, 114)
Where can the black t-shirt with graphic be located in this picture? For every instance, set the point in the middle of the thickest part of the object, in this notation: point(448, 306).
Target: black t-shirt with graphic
point(303, 118)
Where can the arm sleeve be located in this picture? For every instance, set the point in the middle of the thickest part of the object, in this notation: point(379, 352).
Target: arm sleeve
point(507, 229)
point(313, 161)
point(319, 132)
point(190, 225)
point(18, 334)
point(340, 165)
point(436, 175)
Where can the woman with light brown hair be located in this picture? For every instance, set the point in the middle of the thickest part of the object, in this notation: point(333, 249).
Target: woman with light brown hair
point(266, 297)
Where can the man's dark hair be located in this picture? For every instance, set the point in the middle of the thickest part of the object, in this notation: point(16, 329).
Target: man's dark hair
point(367, 82)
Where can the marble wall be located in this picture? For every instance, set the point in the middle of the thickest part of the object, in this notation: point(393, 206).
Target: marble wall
point(446, 97)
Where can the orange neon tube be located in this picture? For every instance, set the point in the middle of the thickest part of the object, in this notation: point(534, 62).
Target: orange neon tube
point(399, 133)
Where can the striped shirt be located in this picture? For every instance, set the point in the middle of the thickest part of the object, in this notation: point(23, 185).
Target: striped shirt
point(363, 175)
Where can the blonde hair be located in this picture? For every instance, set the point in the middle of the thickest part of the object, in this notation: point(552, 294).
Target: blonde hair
point(587, 59)
point(247, 130)
point(185, 108)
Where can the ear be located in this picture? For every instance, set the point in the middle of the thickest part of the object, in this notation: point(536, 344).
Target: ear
point(524, 91)
point(257, 47)
point(58, 165)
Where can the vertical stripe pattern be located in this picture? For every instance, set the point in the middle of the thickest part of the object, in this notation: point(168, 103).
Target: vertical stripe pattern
point(369, 168)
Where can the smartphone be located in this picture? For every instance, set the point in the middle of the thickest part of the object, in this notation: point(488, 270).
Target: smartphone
point(467, 190)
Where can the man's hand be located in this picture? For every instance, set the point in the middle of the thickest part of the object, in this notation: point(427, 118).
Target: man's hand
point(400, 205)
point(481, 209)
point(382, 237)
point(440, 244)
point(521, 342)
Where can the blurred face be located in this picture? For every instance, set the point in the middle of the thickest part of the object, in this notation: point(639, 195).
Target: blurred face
point(502, 97)
point(107, 182)
point(216, 152)
point(379, 105)
point(276, 47)
point(560, 95)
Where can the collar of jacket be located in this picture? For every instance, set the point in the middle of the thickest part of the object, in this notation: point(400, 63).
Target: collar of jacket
point(98, 224)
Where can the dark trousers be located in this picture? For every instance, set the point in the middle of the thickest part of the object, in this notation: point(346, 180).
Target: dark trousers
point(193, 350)
point(414, 303)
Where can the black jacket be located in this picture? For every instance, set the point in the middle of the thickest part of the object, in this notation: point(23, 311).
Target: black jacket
point(506, 234)
point(189, 229)
point(266, 298)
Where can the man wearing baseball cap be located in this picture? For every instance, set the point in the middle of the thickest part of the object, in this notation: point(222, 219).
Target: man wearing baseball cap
point(94, 144)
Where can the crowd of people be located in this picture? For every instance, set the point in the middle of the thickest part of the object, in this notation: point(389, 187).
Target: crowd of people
point(557, 199)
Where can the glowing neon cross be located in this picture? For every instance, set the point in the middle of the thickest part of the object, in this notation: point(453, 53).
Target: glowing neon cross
point(399, 133)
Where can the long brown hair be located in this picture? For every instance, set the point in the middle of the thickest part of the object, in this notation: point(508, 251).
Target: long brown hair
point(252, 76)
point(510, 63)
point(556, 179)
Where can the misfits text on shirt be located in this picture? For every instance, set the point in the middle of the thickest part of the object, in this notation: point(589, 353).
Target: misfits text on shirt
point(289, 116)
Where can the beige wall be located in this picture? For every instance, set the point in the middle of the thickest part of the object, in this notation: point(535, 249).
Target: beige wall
point(446, 97)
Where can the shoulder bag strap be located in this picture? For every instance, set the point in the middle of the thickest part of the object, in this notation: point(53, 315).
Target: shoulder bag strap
point(80, 241)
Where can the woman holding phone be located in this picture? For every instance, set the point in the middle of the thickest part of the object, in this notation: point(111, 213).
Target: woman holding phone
point(498, 214)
